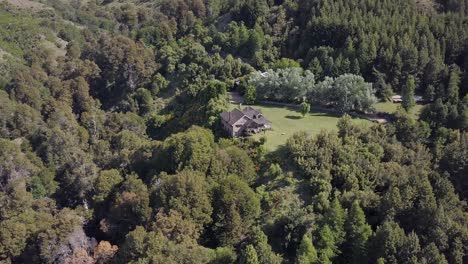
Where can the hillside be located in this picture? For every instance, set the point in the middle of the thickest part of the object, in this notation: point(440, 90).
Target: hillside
point(116, 147)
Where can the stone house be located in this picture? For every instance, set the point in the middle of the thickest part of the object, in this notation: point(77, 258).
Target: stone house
point(248, 121)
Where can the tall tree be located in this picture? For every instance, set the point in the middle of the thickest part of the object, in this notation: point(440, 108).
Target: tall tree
point(357, 234)
point(306, 254)
point(260, 241)
point(326, 245)
point(453, 85)
point(408, 93)
point(335, 217)
point(129, 208)
point(250, 95)
point(188, 193)
point(235, 208)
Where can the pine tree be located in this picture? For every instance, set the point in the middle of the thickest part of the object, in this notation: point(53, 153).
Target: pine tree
point(408, 93)
point(335, 217)
point(383, 89)
point(432, 255)
point(372, 51)
point(381, 261)
point(254, 42)
point(355, 68)
point(306, 254)
point(358, 232)
point(264, 252)
point(350, 50)
point(326, 244)
point(456, 254)
point(453, 85)
point(364, 54)
point(316, 67)
point(396, 70)
point(429, 94)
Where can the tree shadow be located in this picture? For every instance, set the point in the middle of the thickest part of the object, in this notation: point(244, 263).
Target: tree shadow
point(324, 114)
point(293, 117)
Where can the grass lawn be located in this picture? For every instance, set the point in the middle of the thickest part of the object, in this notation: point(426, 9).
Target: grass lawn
point(286, 121)
point(390, 107)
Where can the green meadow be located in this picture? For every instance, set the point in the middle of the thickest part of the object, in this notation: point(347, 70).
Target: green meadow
point(286, 121)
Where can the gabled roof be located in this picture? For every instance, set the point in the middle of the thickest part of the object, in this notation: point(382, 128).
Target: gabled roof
point(255, 115)
point(251, 112)
point(232, 117)
point(261, 120)
point(235, 115)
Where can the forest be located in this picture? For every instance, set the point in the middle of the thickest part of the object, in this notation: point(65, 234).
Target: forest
point(112, 149)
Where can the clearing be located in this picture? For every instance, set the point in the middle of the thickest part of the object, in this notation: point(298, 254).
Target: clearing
point(389, 107)
point(286, 121)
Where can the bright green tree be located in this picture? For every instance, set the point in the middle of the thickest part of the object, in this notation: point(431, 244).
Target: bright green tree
point(335, 217)
point(326, 245)
point(105, 183)
point(250, 95)
point(306, 254)
point(249, 256)
point(264, 252)
point(305, 108)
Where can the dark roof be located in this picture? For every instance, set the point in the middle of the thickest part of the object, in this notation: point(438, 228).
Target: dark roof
point(261, 120)
point(235, 115)
point(255, 115)
point(251, 112)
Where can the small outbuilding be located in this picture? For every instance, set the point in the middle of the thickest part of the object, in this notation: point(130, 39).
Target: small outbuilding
point(396, 99)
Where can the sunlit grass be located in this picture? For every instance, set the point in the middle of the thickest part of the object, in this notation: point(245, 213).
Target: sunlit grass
point(287, 121)
point(390, 107)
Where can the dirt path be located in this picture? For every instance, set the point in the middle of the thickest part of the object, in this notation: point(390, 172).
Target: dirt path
point(235, 98)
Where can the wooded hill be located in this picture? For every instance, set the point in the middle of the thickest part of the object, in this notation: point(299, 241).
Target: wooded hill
point(111, 149)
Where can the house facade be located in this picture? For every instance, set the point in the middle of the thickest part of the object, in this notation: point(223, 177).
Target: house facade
point(244, 122)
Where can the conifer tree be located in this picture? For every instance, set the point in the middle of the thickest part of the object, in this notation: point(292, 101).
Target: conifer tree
point(335, 217)
point(306, 254)
point(453, 85)
point(408, 94)
point(381, 261)
point(264, 252)
point(355, 68)
point(432, 255)
point(357, 234)
point(316, 68)
point(326, 244)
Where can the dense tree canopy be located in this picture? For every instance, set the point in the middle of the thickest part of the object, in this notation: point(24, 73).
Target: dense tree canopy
point(111, 149)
